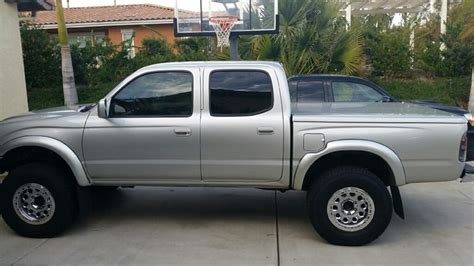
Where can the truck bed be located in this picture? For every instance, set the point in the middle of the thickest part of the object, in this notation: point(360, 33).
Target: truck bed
point(397, 112)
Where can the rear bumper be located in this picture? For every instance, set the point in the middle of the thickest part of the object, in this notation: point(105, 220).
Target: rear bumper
point(1, 165)
point(470, 144)
point(467, 174)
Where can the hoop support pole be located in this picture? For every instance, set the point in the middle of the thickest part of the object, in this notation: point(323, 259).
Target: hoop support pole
point(234, 47)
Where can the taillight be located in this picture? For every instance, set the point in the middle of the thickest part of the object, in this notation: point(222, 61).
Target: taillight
point(470, 119)
point(463, 148)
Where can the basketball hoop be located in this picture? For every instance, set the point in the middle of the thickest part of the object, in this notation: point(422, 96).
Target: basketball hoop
point(223, 26)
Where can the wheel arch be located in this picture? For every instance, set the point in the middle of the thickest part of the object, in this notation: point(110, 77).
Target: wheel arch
point(358, 151)
point(54, 146)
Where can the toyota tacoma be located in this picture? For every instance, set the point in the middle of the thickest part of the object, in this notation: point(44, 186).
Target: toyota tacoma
point(226, 124)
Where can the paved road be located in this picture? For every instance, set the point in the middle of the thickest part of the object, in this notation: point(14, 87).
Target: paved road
point(190, 226)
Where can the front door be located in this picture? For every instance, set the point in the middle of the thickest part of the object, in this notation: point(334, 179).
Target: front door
point(241, 126)
point(152, 133)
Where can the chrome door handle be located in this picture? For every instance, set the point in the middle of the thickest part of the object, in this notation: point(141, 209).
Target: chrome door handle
point(182, 132)
point(265, 131)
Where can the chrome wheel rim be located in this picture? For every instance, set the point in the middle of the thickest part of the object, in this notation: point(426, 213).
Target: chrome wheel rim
point(350, 209)
point(34, 204)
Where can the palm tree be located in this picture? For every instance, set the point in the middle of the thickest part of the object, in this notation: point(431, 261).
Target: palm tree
point(312, 39)
point(69, 84)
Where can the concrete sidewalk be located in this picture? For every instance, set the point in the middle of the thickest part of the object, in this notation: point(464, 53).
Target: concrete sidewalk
point(202, 226)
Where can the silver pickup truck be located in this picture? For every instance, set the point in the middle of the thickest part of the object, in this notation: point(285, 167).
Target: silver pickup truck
point(226, 124)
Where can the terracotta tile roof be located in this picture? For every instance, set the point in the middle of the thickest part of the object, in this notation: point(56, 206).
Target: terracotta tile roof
point(107, 14)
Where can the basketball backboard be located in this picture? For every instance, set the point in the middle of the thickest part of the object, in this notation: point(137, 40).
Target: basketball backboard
point(254, 16)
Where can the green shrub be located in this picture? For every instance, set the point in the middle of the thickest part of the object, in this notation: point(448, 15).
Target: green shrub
point(447, 57)
point(88, 60)
point(40, 98)
point(389, 53)
point(153, 51)
point(41, 57)
point(450, 54)
point(114, 66)
point(193, 49)
point(454, 91)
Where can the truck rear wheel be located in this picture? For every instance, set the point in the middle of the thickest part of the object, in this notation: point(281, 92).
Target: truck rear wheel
point(349, 206)
point(38, 200)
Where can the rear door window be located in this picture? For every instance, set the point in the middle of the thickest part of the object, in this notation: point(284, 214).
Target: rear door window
point(240, 93)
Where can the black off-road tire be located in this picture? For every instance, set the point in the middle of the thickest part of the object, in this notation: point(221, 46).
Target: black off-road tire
point(343, 177)
point(62, 188)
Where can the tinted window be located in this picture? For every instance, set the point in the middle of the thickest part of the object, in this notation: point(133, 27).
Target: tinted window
point(155, 94)
point(354, 92)
point(237, 93)
point(310, 92)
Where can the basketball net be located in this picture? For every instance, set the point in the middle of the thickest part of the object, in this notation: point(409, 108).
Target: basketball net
point(223, 27)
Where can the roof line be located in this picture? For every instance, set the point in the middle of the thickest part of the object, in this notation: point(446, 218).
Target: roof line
point(108, 23)
point(109, 6)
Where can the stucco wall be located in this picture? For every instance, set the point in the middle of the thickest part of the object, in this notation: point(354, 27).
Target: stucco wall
point(114, 33)
point(142, 32)
point(12, 76)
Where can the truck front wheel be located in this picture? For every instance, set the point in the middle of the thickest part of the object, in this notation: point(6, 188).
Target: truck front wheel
point(38, 200)
point(349, 206)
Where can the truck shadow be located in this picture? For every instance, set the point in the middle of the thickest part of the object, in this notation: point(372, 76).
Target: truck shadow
point(426, 212)
point(186, 208)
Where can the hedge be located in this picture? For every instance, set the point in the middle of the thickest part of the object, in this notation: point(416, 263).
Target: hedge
point(448, 91)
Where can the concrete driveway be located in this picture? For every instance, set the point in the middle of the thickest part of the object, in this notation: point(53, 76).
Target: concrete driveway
point(203, 226)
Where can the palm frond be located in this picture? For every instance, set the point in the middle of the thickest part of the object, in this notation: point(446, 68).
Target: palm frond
point(312, 39)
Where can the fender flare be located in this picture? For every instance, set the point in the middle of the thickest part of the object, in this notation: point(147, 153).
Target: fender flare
point(351, 145)
point(56, 146)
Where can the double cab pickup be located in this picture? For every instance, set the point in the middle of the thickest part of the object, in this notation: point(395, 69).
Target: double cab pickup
point(226, 124)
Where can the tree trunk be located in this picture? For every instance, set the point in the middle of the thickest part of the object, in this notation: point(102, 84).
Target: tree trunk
point(471, 96)
point(69, 84)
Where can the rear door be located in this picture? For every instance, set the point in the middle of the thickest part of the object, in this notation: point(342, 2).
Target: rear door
point(241, 126)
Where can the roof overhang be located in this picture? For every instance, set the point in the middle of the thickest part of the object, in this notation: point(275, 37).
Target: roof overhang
point(108, 24)
point(372, 7)
point(31, 5)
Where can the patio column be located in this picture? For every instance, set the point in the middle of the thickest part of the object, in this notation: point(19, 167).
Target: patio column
point(412, 45)
point(432, 6)
point(444, 15)
point(471, 96)
point(12, 74)
point(348, 15)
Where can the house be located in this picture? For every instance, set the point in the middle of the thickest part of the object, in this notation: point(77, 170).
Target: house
point(114, 23)
point(13, 98)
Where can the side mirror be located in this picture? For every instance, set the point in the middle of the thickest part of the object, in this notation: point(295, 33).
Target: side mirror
point(102, 108)
point(387, 99)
